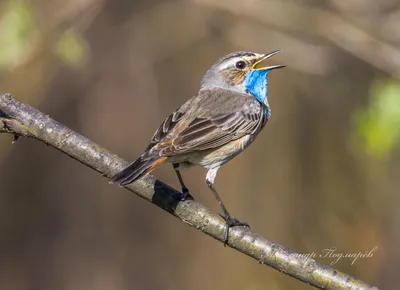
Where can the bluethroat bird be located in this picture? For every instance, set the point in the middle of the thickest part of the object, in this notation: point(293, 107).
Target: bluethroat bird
point(212, 127)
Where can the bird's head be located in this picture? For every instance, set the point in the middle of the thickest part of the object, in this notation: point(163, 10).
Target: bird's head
point(242, 72)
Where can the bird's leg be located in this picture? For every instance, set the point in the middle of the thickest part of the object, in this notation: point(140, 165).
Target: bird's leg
point(229, 220)
point(185, 190)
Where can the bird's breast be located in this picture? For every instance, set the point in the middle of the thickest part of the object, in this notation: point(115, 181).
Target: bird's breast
point(214, 157)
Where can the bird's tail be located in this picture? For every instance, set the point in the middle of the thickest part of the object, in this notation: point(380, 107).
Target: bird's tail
point(139, 168)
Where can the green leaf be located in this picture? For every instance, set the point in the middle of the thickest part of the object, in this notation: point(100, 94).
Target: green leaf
point(379, 124)
point(17, 24)
point(72, 49)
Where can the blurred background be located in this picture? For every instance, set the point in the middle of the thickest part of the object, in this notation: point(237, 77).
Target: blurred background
point(323, 174)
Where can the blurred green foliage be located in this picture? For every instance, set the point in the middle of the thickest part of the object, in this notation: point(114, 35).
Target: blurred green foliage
point(379, 124)
point(72, 49)
point(17, 24)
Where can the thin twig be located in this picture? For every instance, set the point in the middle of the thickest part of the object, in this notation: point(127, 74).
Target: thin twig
point(22, 120)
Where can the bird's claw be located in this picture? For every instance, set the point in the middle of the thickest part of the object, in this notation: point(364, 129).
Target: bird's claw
point(185, 194)
point(229, 223)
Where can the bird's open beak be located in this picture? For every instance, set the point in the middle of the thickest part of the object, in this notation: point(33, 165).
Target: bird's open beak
point(264, 57)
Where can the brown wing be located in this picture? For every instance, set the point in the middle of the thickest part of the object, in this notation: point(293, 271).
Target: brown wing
point(165, 128)
point(208, 120)
point(207, 133)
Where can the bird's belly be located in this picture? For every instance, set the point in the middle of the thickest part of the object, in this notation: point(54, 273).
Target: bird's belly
point(213, 157)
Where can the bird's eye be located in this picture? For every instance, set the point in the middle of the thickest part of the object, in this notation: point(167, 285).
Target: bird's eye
point(240, 64)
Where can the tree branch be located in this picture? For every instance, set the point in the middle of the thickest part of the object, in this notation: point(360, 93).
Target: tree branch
point(22, 120)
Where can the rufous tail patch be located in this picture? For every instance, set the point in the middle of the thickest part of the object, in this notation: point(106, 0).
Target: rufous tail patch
point(158, 163)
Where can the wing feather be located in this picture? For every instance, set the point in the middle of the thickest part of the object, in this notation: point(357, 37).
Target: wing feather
point(207, 133)
point(209, 120)
point(165, 128)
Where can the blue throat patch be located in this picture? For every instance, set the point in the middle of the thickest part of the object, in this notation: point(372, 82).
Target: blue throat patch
point(256, 83)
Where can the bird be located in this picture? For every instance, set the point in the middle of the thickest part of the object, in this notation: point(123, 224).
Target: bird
point(211, 128)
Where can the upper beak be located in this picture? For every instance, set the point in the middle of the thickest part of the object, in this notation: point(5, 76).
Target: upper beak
point(264, 57)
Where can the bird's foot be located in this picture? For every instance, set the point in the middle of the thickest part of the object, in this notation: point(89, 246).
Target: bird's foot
point(232, 222)
point(185, 194)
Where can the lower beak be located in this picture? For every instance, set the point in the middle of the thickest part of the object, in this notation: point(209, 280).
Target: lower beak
point(264, 57)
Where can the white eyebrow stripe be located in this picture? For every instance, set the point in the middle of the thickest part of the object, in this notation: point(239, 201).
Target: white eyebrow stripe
point(232, 61)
